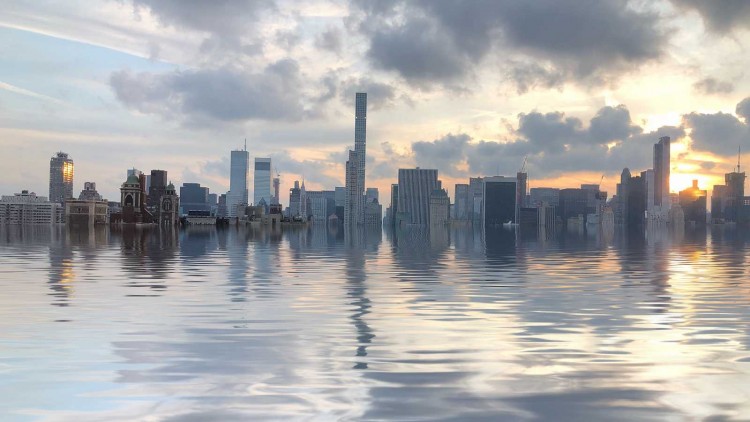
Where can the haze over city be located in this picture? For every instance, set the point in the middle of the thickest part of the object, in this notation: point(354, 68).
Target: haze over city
point(582, 89)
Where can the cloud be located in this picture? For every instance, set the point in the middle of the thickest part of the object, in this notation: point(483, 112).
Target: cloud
point(719, 16)
point(227, 20)
point(442, 153)
point(331, 39)
point(313, 171)
point(438, 41)
point(379, 94)
point(743, 109)
point(218, 94)
point(710, 86)
point(720, 133)
point(552, 143)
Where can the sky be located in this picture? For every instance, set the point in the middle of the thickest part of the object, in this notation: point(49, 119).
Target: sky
point(579, 89)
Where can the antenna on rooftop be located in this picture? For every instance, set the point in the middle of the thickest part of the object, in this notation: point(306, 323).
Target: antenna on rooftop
point(739, 150)
point(245, 144)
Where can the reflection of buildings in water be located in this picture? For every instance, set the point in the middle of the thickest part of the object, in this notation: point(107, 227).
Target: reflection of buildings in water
point(61, 273)
point(149, 253)
point(356, 278)
point(439, 237)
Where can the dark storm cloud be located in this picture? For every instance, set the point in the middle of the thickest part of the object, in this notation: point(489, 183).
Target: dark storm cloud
point(720, 133)
point(553, 144)
point(743, 109)
point(379, 94)
point(710, 86)
point(220, 94)
point(441, 153)
point(719, 16)
point(443, 40)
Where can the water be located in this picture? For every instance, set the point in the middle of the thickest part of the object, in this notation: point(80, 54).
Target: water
point(311, 324)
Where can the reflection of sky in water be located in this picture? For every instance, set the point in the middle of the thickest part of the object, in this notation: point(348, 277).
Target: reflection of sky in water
point(429, 325)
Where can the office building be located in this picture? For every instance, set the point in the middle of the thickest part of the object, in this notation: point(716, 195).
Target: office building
point(156, 188)
point(294, 200)
point(573, 204)
point(522, 179)
point(414, 189)
point(461, 202)
point(734, 196)
point(262, 182)
point(322, 205)
point(60, 178)
point(276, 200)
point(238, 172)
point(476, 189)
point(372, 195)
point(373, 213)
point(213, 200)
point(194, 197)
point(340, 200)
point(693, 203)
point(354, 213)
point(499, 204)
point(221, 207)
point(662, 151)
point(539, 196)
point(27, 208)
point(439, 209)
point(89, 209)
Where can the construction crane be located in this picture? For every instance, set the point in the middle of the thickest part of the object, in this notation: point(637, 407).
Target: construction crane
point(523, 166)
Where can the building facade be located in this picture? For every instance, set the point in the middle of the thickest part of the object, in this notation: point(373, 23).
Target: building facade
point(27, 208)
point(194, 197)
point(61, 172)
point(414, 189)
point(693, 204)
point(238, 171)
point(499, 204)
point(439, 208)
point(461, 201)
point(354, 213)
point(262, 181)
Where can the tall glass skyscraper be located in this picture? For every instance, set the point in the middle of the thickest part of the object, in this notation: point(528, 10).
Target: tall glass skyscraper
point(354, 209)
point(239, 163)
point(60, 178)
point(262, 181)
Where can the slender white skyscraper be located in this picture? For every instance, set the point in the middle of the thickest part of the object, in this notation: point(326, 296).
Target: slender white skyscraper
point(354, 211)
point(239, 163)
point(262, 181)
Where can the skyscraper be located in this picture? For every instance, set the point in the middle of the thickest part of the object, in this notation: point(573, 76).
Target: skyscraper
point(157, 187)
point(499, 204)
point(239, 163)
point(414, 189)
point(354, 213)
point(661, 173)
point(262, 181)
point(276, 186)
point(60, 177)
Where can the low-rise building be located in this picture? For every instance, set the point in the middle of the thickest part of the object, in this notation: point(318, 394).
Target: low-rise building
point(28, 208)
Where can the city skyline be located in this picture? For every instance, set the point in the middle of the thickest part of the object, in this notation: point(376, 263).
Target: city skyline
point(575, 118)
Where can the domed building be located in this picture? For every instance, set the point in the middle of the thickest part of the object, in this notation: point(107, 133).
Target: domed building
point(169, 204)
point(133, 201)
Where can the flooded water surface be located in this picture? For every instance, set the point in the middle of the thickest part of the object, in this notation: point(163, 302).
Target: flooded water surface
point(318, 324)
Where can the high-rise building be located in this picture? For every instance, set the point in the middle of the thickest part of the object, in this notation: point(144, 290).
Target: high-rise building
point(372, 195)
point(662, 153)
point(414, 189)
point(194, 197)
point(499, 204)
point(693, 203)
point(239, 163)
point(461, 202)
point(156, 188)
point(734, 196)
point(539, 196)
point(276, 189)
point(522, 179)
point(294, 200)
point(354, 213)
point(60, 178)
point(476, 189)
point(439, 208)
point(262, 181)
